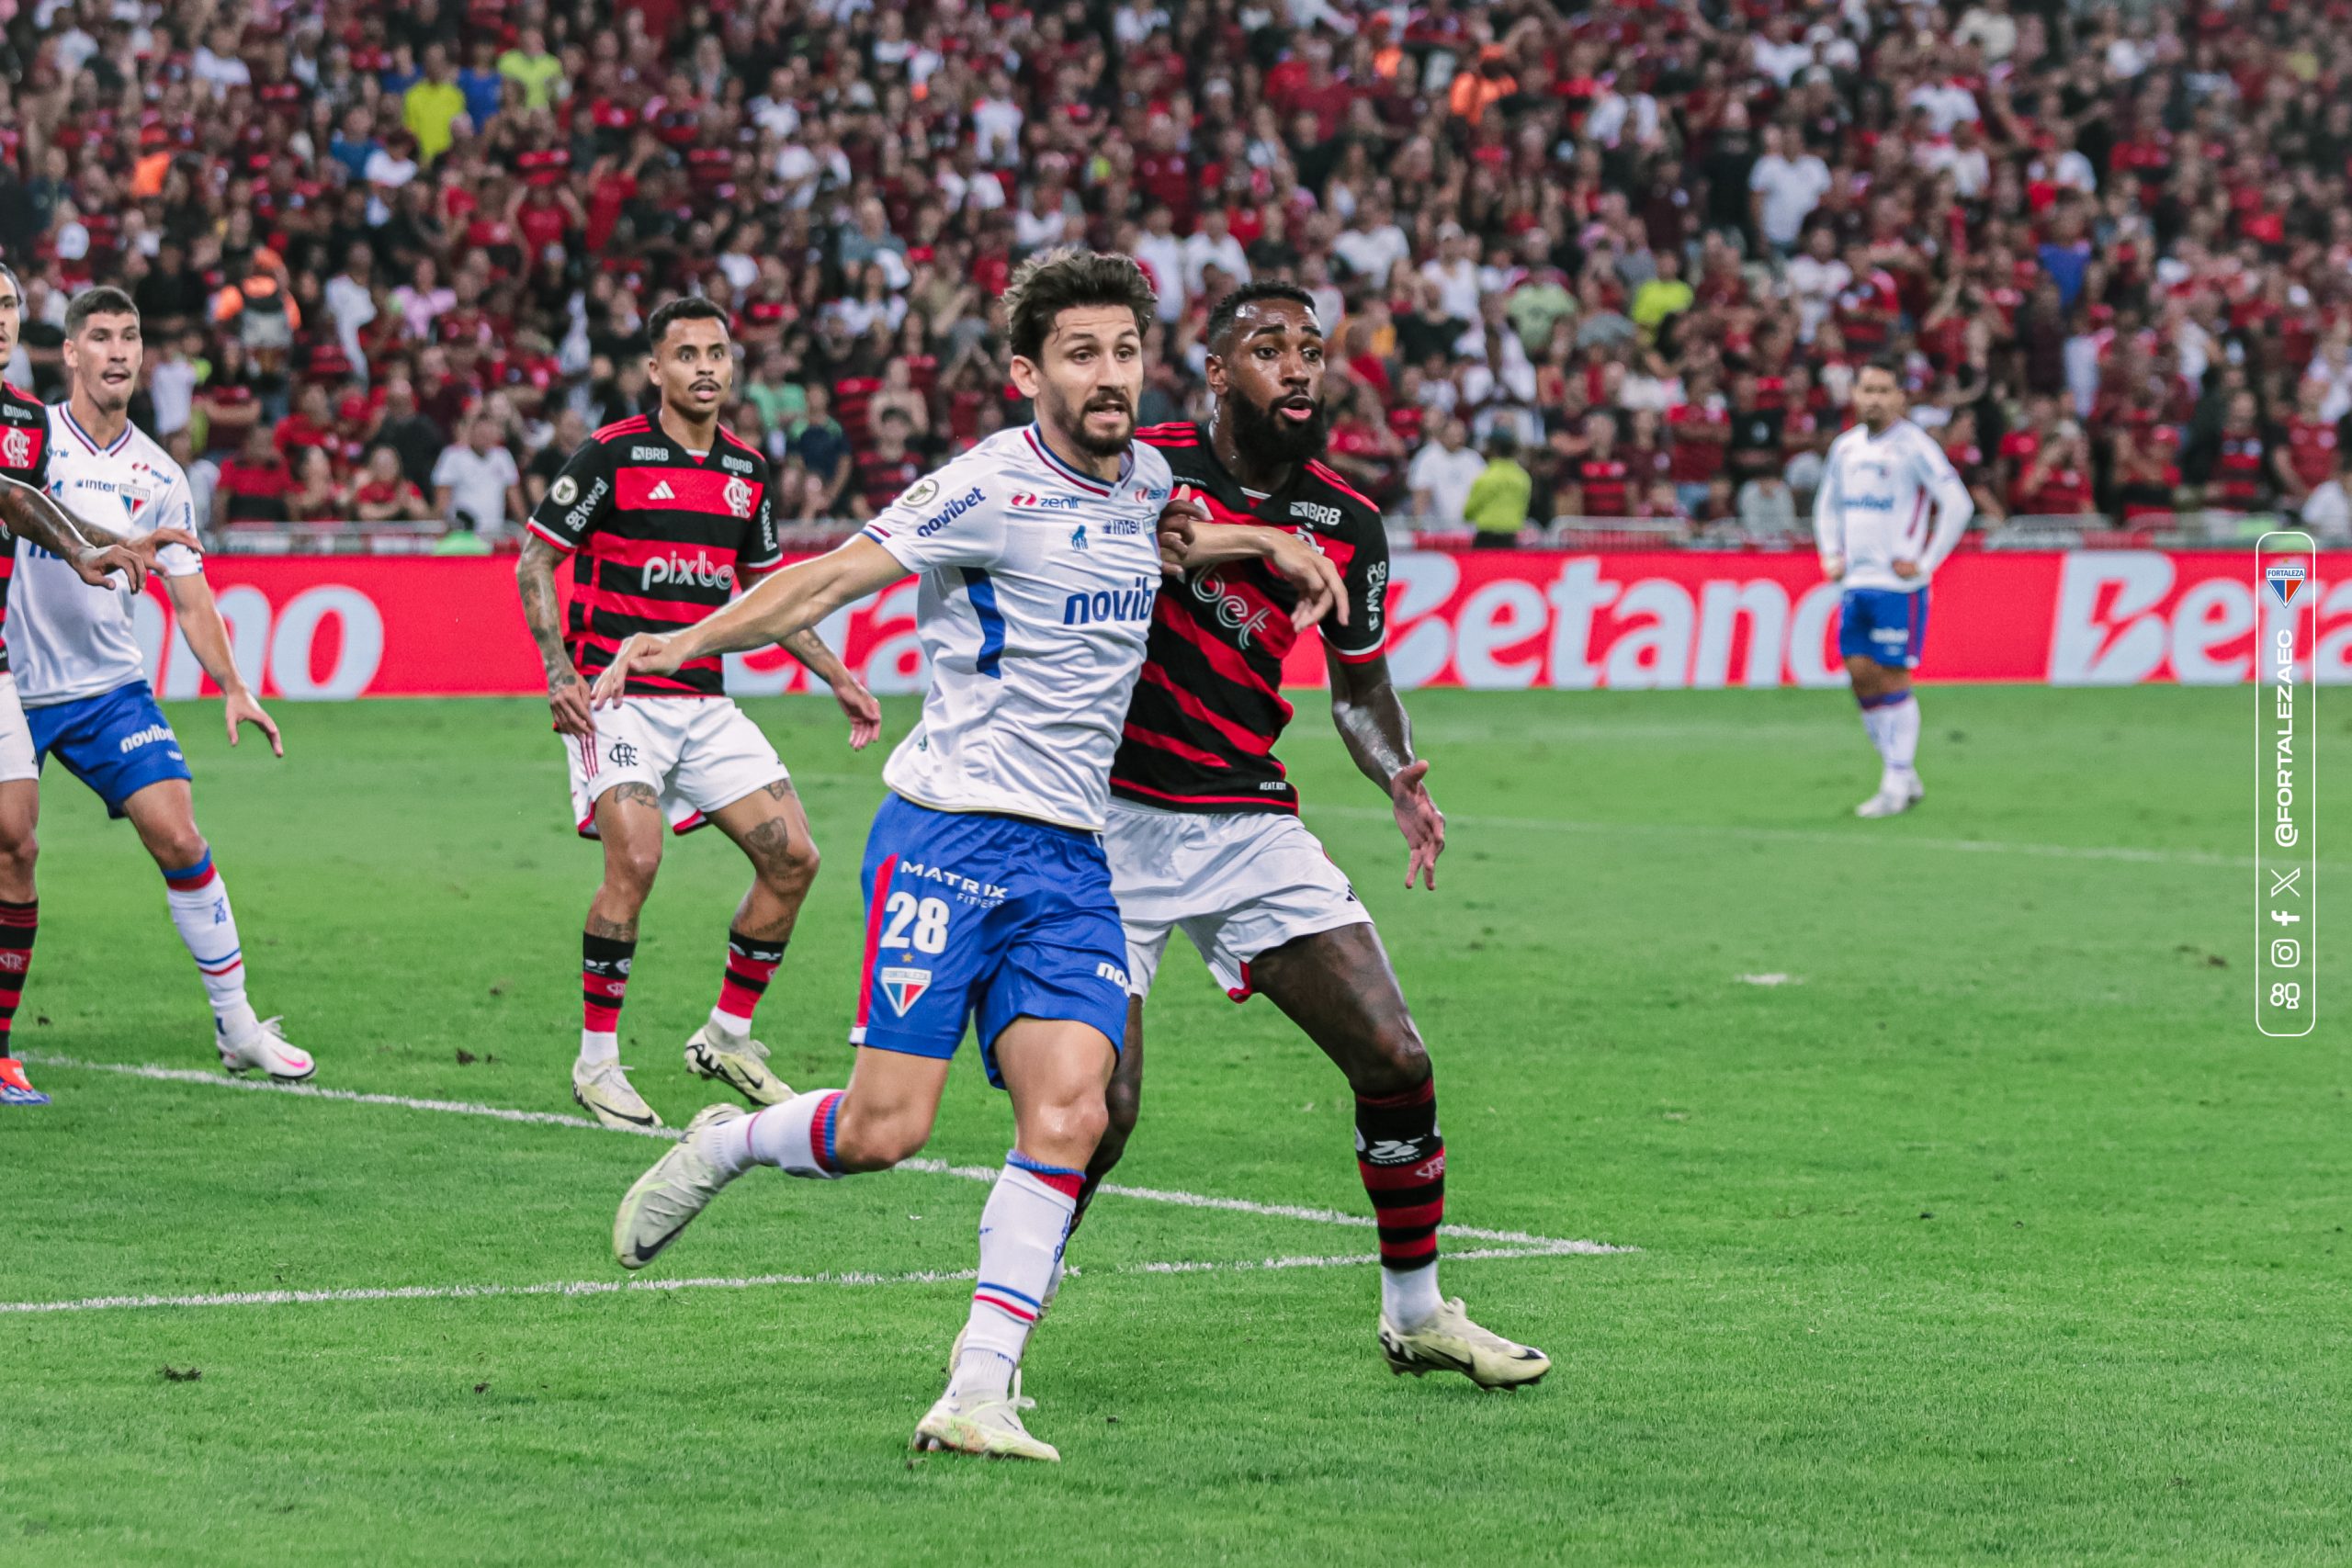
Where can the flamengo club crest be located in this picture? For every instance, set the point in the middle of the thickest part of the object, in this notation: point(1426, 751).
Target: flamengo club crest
point(902, 987)
point(16, 449)
point(2284, 578)
point(739, 498)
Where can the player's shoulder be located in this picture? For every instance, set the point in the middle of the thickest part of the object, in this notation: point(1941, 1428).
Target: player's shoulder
point(1324, 483)
point(619, 434)
point(1175, 434)
point(17, 397)
point(143, 448)
point(735, 453)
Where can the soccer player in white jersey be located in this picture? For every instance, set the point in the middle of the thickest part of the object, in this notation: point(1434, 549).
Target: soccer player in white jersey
point(85, 689)
point(1890, 509)
point(29, 513)
point(987, 895)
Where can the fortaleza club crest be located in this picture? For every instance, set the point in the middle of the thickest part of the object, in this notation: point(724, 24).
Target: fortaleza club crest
point(903, 986)
point(739, 498)
point(16, 449)
point(2285, 579)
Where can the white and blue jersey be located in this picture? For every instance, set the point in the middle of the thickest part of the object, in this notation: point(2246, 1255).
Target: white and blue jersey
point(1886, 498)
point(988, 895)
point(77, 663)
point(66, 641)
point(1037, 588)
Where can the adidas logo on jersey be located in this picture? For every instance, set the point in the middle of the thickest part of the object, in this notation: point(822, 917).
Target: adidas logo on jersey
point(697, 571)
point(661, 492)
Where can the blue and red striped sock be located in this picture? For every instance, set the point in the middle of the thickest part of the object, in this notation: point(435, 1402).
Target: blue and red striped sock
point(199, 902)
point(1022, 1231)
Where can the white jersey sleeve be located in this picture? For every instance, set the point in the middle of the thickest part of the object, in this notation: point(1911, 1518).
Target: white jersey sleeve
point(1037, 584)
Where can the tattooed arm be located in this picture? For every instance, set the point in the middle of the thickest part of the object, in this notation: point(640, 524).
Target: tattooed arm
point(543, 613)
point(92, 551)
point(864, 712)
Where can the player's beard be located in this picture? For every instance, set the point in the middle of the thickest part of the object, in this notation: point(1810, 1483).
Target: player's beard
point(1070, 423)
point(1267, 440)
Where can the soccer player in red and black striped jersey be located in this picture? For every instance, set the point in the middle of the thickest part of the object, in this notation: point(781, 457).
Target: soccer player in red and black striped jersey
point(665, 516)
point(1203, 831)
point(93, 551)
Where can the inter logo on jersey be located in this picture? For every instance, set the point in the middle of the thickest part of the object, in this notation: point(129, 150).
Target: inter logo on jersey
point(903, 987)
point(2285, 579)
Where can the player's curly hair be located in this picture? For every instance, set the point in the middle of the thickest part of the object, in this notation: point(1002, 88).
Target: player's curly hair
point(1069, 280)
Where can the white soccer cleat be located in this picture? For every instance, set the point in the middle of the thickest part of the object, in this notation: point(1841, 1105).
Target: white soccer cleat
point(605, 1093)
point(740, 1063)
point(988, 1426)
point(263, 1049)
point(1891, 800)
point(1449, 1342)
point(1918, 791)
point(664, 1201)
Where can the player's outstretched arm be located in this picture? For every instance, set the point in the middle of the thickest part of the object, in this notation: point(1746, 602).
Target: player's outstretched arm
point(95, 553)
point(1378, 734)
point(864, 712)
point(789, 601)
point(208, 638)
point(567, 693)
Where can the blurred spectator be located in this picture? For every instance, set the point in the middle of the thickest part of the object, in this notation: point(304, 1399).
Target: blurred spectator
point(253, 485)
point(381, 493)
point(1496, 505)
point(476, 483)
point(1442, 474)
point(1767, 508)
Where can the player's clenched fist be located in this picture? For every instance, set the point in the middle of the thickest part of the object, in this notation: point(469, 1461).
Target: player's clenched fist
point(644, 653)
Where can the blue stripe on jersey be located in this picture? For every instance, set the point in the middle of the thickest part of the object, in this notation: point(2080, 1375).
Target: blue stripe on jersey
point(982, 593)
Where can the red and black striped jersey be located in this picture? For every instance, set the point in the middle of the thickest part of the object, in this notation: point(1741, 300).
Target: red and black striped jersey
point(1208, 709)
point(659, 539)
point(24, 457)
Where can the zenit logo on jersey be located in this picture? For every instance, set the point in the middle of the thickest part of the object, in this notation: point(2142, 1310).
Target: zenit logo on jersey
point(2285, 579)
point(660, 538)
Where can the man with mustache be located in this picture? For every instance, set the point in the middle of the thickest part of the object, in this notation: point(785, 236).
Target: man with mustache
point(988, 895)
point(663, 515)
point(1205, 835)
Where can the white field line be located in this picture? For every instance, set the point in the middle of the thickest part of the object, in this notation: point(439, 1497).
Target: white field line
point(926, 1167)
point(747, 1282)
point(1863, 837)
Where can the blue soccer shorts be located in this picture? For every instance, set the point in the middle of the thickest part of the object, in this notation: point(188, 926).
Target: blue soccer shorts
point(1882, 625)
point(118, 743)
point(973, 918)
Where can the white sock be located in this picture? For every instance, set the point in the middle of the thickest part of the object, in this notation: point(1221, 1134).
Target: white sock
point(1022, 1231)
point(199, 903)
point(1874, 724)
point(595, 1050)
point(797, 1137)
point(1902, 735)
point(727, 1023)
point(1408, 1297)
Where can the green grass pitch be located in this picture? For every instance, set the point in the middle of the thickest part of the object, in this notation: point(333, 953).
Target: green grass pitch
point(1995, 1235)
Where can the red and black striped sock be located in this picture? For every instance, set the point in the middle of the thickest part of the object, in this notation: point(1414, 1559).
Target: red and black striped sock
point(1401, 1155)
point(751, 963)
point(603, 981)
point(20, 923)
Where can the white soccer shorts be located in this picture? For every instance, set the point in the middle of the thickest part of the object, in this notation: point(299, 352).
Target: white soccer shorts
point(17, 760)
point(1237, 883)
point(698, 754)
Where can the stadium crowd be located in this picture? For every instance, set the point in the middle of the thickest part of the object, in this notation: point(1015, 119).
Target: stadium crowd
point(1621, 262)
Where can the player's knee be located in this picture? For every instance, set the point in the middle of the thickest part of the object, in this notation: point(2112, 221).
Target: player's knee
point(17, 859)
point(1074, 1128)
point(179, 846)
point(795, 866)
point(1122, 1106)
point(1394, 1061)
point(629, 869)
